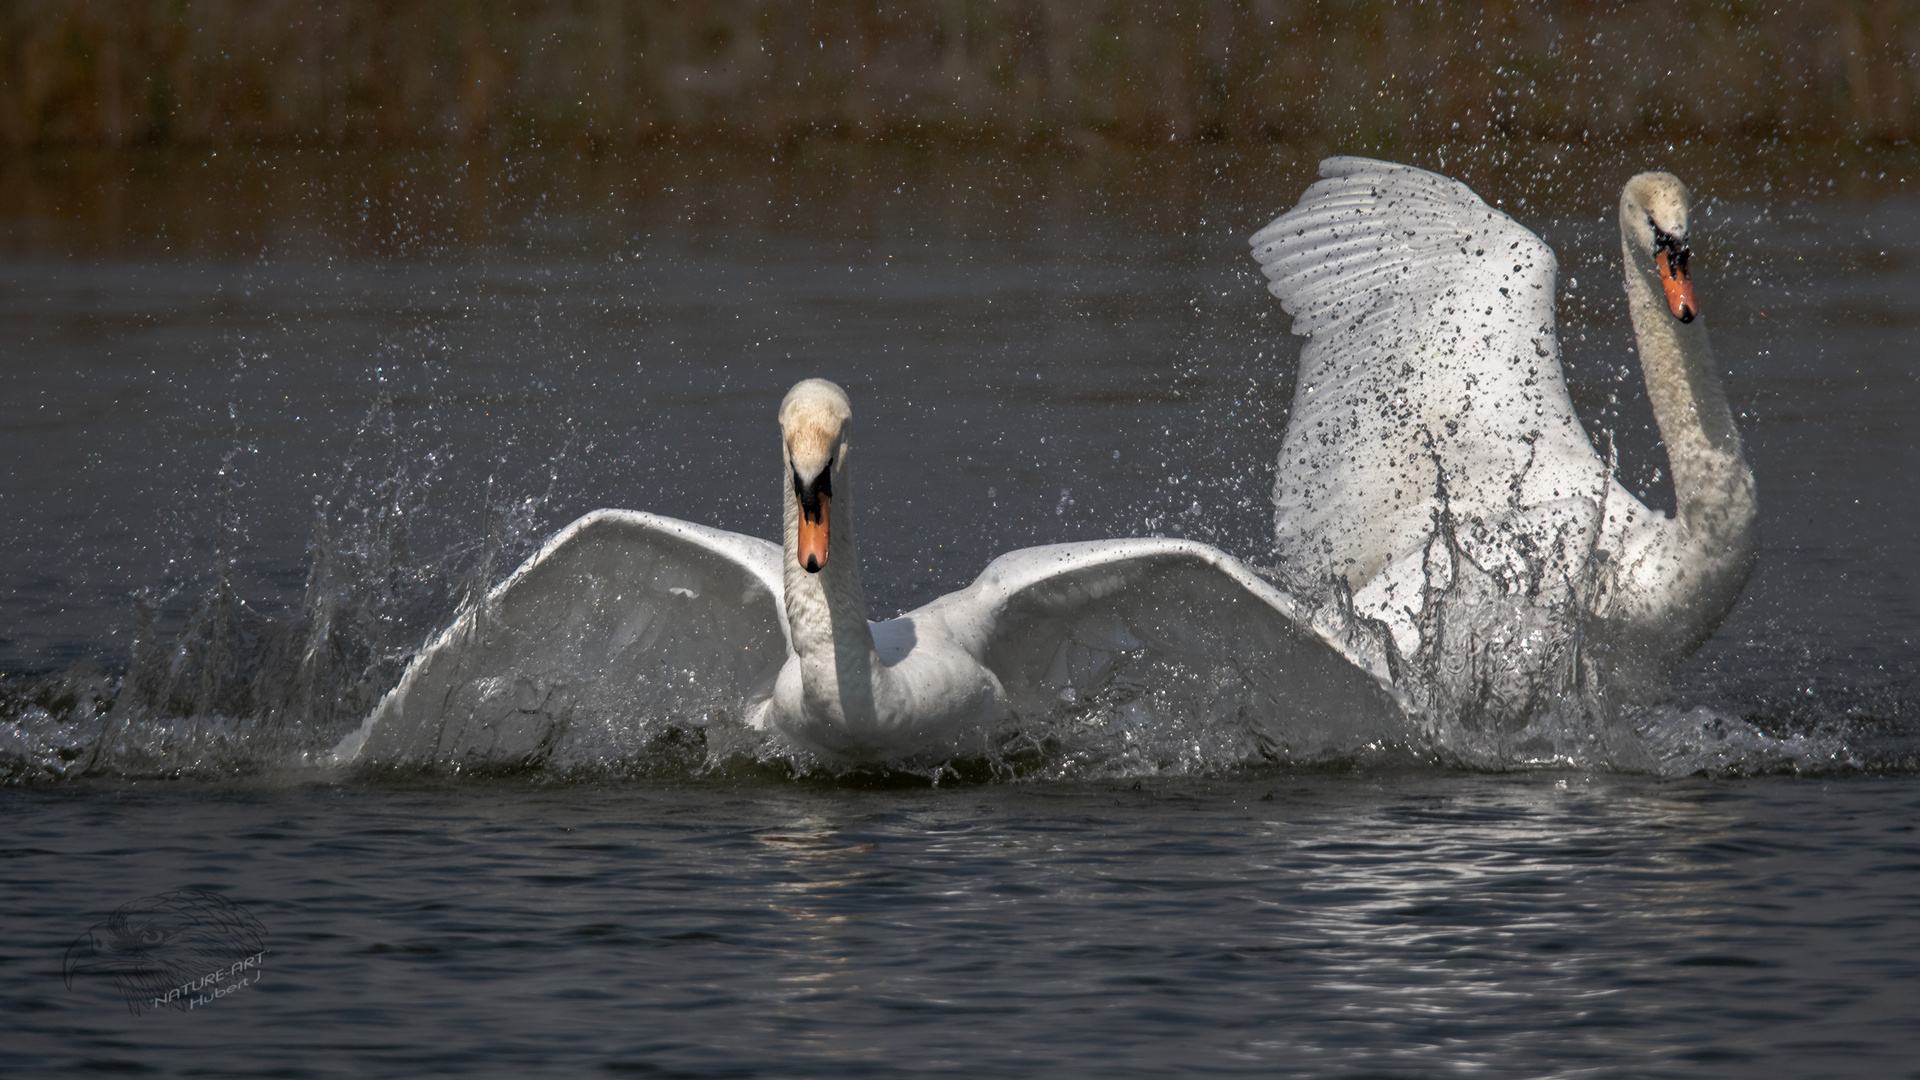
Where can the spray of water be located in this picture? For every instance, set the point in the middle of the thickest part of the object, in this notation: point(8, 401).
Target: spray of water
point(1503, 675)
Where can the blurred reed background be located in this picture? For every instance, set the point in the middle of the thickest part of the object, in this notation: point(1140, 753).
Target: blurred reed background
point(1393, 76)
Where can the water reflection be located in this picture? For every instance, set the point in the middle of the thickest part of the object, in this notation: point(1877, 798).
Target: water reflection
point(1412, 922)
point(1369, 921)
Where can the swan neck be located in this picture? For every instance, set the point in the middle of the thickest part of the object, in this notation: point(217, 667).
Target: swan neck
point(1704, 451)
point(1716, 511)
point(827, 611)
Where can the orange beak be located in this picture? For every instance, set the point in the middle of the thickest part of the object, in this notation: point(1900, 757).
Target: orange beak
point(812, 552)
point(1679, 285)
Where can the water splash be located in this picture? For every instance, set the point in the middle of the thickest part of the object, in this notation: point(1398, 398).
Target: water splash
point(1504, 673)
point(233, 690)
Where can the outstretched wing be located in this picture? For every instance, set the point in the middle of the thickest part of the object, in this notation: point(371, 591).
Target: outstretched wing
point(1163, 635)
point(1430, 384)
point(622, 617)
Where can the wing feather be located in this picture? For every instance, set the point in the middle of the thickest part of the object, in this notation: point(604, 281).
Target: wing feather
point(622, 616)
point(1174, 628)
point(1430, 381)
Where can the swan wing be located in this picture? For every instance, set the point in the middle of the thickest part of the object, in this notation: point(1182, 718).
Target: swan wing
point(622, 616)
point(1145, 627)
point(1430, 388)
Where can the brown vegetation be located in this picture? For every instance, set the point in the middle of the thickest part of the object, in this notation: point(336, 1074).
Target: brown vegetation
point(218, 72)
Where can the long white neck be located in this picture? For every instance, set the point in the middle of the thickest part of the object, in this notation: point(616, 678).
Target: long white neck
point(1682, 599)
point(827, 612)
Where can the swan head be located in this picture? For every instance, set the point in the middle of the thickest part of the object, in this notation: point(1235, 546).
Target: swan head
point(1653, 211)
point(814, 420)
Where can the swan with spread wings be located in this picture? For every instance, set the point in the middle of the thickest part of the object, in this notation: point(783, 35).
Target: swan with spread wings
point(637, 615)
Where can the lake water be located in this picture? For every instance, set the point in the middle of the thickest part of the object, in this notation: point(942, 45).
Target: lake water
point(269, 417)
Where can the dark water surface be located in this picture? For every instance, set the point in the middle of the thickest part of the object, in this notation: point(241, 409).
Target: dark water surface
point(1397, 925)
point(266, 418)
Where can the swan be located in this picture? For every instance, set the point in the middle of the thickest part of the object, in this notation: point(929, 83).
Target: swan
point(626, 615)
point(1434, 471)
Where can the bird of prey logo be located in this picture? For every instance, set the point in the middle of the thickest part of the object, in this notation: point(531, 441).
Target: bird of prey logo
point(172, 951)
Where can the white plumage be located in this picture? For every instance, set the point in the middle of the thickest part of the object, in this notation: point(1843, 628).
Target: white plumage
point(632, 615)
point(1434, 466)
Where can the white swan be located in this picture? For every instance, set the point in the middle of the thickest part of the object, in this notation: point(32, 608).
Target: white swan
point(625, 616)
point(1433, 462)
